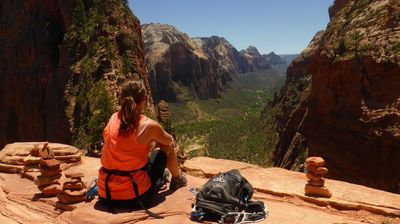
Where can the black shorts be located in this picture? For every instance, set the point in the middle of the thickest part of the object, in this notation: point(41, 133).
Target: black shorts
point(158, 162)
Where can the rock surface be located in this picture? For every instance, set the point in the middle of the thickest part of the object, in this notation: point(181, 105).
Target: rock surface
point(352, 107)
point(281, 191)
point(17, 158)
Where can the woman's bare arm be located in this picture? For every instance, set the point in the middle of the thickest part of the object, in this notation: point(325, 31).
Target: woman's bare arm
point(158, 134)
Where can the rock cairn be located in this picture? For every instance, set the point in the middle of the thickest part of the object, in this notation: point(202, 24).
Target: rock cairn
point(50, 173)
point(74, 189)
point(315, 173)
point(163, 112)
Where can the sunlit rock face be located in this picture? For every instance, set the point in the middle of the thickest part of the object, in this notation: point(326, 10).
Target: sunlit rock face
point(349, 111)
point(179, 67)
point(57, 59)
point(252, 60)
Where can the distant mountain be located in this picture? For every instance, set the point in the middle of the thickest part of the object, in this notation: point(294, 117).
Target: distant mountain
point(181, 67)
point(288, 58)
point(252, 60)
point(178, 67)
point(274, 59)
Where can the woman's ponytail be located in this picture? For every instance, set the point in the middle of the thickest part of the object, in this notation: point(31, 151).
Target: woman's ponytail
point(128, 115)
point(132, 93)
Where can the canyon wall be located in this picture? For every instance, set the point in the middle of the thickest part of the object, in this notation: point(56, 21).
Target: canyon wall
point(61, 65)
point(350, 112)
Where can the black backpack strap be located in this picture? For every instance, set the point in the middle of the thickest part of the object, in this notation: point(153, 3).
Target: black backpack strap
point(134, 185)
point(138, 197)
point(108, 193)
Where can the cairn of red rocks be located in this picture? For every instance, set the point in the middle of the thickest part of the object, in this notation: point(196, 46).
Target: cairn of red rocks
point(50, 173)
point(74, 189)
point(315, 173)
point(163, 112)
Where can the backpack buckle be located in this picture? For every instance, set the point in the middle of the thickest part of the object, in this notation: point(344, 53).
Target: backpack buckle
point(233, 217)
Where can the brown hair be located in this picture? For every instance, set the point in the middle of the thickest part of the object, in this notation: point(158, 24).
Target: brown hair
point(132, 93)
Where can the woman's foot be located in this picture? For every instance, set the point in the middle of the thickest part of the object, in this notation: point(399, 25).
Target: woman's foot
point(161, 184)
point(178, 182)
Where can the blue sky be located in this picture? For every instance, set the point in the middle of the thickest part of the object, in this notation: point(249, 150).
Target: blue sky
point(282, 26)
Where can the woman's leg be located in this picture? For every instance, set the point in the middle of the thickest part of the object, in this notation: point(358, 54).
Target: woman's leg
point(158, 161)
point(172, 163)
point(177, 180)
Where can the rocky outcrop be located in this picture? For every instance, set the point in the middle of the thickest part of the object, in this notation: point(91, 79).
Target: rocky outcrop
point(336, 6)
point(62, 63)
point(223, 52)
point(351, 113)
point(252, 60)
point(280, 189)
point(178, 67)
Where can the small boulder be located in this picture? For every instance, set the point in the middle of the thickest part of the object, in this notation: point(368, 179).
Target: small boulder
point(317, 191)
point(317, 170)
point(74, 186)
point(315, 161)
point(317, 183)
point(74, 175)
point(75, 193)
point(50, 163)
point(49, 172)
point(43, 180)
point(51, 189)
point(68, 196)
point(313, 176)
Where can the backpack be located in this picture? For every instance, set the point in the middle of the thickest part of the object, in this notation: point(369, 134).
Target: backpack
point(226, 197)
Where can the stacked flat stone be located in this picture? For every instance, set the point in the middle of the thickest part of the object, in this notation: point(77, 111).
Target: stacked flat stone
point(74, 189)
point(49, 179)
point(315, 173)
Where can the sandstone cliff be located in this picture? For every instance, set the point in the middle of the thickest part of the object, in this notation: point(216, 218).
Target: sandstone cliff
point(350, 114)
point(178, 67)
point(61, 64)
point(290, 107)
point(223, 52)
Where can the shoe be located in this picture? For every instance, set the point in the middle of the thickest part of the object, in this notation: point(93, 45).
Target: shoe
point(161, 184)
point(178, 182)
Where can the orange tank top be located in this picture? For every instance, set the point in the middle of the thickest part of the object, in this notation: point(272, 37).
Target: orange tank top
point(123, 153)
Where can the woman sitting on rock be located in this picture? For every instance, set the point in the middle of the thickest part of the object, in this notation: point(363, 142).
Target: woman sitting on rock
point(128, 176)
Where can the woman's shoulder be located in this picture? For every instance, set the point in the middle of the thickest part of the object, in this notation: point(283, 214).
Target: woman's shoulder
point(150, 123)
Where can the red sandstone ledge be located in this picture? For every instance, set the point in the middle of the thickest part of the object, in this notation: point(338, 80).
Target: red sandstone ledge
point(24, 203)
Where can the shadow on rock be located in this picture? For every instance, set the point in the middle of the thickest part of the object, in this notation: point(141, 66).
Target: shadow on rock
point(131, 206)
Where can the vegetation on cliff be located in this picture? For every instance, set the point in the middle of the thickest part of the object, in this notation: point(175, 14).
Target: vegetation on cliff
point(364, 28)
point(352, 106)
point(105, 48)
